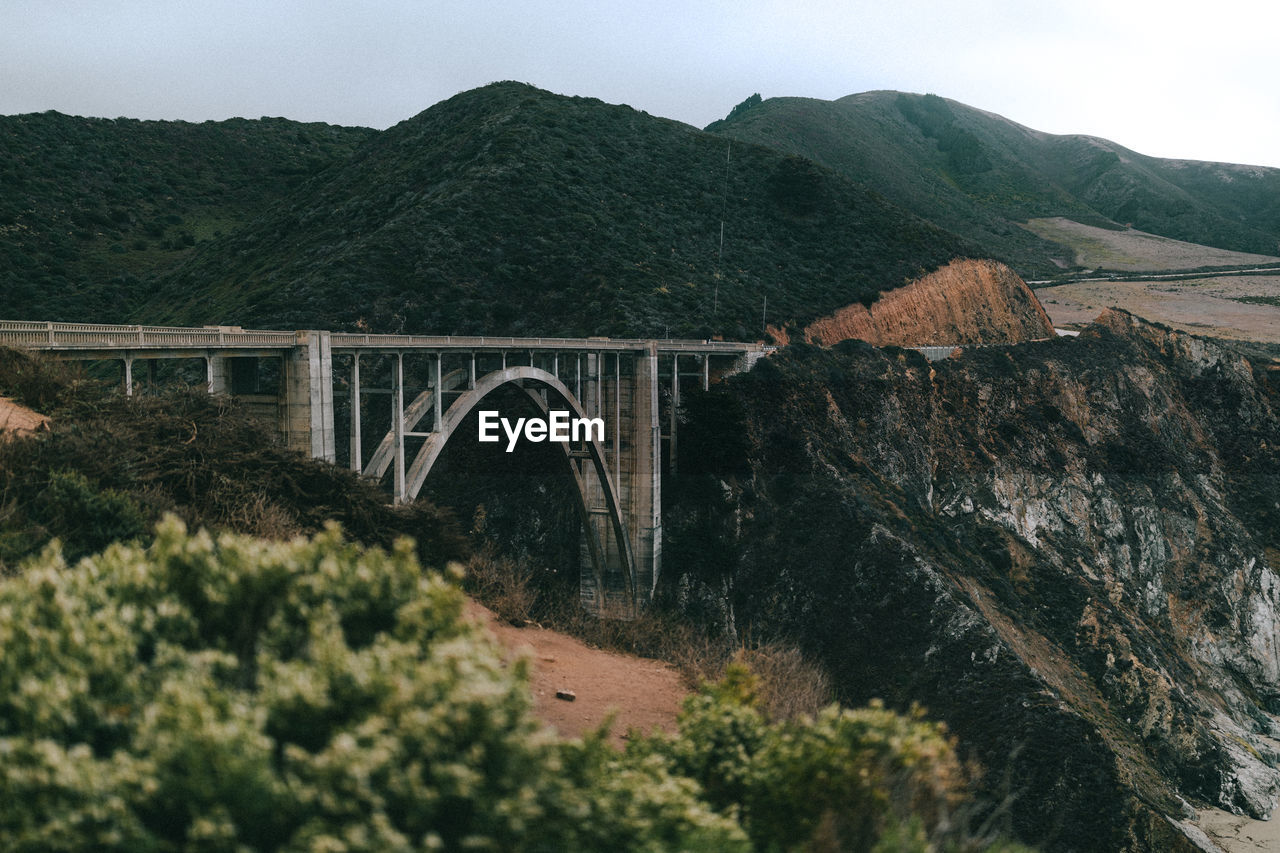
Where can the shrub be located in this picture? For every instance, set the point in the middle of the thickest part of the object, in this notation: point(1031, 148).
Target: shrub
point(205, 458)
point(789, 685)
point(240, 694)
point(43, 384)
point(92, 518)
point(860, 780)
point(502, 584)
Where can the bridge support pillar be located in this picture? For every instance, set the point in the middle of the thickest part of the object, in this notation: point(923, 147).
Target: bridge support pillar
point(126, 378)
point(625, 394)
point(217, 372)
point(307, 396)
point(643, 498)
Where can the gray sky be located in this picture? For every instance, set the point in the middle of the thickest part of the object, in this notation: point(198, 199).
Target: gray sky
point(1171, 78)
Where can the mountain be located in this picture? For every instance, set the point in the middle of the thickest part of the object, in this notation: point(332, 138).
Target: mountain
point(91, 207)
point(1067, 550)
point(510, 210)
point(982, 176)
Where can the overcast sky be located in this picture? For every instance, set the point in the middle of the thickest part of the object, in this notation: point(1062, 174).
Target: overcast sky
point(1171, 79)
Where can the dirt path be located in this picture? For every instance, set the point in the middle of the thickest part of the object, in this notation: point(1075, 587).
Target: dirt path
point(645, 694)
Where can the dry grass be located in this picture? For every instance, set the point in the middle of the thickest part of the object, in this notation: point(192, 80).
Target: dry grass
point(1136, 251)
point(501, 584)
point(788, 685)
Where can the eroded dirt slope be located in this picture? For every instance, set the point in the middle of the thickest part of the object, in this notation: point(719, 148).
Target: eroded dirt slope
point(965, 302)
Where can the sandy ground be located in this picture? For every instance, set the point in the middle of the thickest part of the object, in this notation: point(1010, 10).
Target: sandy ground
point(1206, 306)
point(643, 694)
point(1235, 834)
point(19, 420)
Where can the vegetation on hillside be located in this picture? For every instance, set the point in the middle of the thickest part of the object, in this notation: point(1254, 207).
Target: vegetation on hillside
point(514, 211)
point(511, 210)
point(505, 210)
point(111, 466)
point(91, 208)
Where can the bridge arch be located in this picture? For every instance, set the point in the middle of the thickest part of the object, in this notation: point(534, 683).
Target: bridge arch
point(538, 384)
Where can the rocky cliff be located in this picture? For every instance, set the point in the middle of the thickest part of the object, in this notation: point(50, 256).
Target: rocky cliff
point(964, 302)
point(1067, 550)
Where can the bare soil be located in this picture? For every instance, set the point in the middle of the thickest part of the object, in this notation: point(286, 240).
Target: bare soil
point(640, 693)
point(16, 419)
point(964, 302)
point(1207, 306)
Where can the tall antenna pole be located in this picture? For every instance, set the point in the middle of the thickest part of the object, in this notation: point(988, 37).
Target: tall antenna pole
point(724, 202)
point(764, 314)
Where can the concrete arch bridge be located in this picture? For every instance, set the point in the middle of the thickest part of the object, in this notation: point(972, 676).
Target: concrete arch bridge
point(428, 387)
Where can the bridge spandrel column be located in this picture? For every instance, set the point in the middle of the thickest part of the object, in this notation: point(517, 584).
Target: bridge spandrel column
point(307, 392)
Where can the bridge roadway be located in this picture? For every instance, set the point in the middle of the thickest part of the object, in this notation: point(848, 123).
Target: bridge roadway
point(634, 385)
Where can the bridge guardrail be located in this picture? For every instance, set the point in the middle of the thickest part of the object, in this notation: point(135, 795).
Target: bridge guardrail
point(353, 340)
point(47, 335)
point(99, 336)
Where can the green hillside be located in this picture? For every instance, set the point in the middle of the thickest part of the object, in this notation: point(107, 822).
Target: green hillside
point(511, 210)
point(91, 208)
point(981, 175)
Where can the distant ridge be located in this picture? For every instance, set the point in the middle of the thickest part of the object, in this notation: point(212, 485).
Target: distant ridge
point(508, 209)
point(982, 175)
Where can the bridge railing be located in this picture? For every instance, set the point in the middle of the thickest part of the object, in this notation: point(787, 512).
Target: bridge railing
point(36, 335)
point(349, 340)
point(99, 336)
point(936, 353)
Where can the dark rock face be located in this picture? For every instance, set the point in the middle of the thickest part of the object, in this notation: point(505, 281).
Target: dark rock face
point(1067, 550)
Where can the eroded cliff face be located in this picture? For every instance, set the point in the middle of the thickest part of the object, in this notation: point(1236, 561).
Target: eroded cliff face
point(965, 302)
point(1067, 550)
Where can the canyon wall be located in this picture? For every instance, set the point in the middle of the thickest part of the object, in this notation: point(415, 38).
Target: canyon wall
point(1068, 551)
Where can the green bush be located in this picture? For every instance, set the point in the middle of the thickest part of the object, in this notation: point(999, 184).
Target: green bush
point(859, 780)
point(239, 694)
point(91, 518)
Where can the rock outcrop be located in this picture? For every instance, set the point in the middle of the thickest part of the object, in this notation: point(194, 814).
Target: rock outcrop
point(1067, 550)
point(965, 302)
